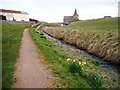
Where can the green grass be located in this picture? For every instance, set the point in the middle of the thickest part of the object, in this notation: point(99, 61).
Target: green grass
point(104, 30)
point(55, 55)
point(99, 37)
point(57, 61)
point(108, 24)
point(11, 38)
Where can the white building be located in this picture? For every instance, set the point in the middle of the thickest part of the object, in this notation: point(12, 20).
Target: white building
point(13, 15)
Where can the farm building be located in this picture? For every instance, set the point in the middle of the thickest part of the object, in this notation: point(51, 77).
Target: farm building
point(13, 15)
point(107, 16)
point(69, 19)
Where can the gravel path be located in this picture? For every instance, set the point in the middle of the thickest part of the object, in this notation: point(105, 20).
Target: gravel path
point(29, 71)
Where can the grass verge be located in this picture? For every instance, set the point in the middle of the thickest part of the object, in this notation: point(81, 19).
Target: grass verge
point(11, 38)
point(56, 55)
point(57, 61)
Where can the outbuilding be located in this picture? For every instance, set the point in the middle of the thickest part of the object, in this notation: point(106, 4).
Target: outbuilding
point(14, 15)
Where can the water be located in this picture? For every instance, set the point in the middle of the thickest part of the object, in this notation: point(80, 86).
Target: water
point(105, 64)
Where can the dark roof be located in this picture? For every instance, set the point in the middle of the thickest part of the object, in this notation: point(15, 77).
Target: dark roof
point(107, 16)
point(10, 11)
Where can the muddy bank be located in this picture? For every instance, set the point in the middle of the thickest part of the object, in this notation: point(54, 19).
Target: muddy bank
point(104, 45)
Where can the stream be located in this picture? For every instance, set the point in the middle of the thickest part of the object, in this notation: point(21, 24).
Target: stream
point(105, 64)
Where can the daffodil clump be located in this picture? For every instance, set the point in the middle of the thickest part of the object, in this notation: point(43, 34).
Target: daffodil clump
point(41, 34)
point(37, 31)
point(75, 65)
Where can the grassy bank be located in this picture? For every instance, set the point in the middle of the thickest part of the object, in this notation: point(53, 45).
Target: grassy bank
point(99, 25)
point(71, 74)
point(99, 37)
point(11, 38)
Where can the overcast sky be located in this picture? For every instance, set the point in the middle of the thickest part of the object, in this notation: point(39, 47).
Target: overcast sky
point(55, 10)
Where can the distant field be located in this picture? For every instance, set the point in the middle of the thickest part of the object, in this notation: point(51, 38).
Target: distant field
point(99, 37)
point(11, 37)
point(107, 24)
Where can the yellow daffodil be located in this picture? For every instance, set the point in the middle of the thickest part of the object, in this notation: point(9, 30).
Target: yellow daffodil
point(73, 60)
point(37, 31)
point(68, 59)
point(84, 63)
point(79, 62)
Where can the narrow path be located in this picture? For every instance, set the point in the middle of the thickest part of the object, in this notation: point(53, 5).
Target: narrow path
point(29, 71)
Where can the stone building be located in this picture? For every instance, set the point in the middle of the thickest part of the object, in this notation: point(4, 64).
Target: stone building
point(107, 16)
point(13, 15)
point(69, 19)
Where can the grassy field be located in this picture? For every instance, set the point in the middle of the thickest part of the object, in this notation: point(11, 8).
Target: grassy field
point(98, 25)
point(72, 75)
point(99, 37)
point(11, 38)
